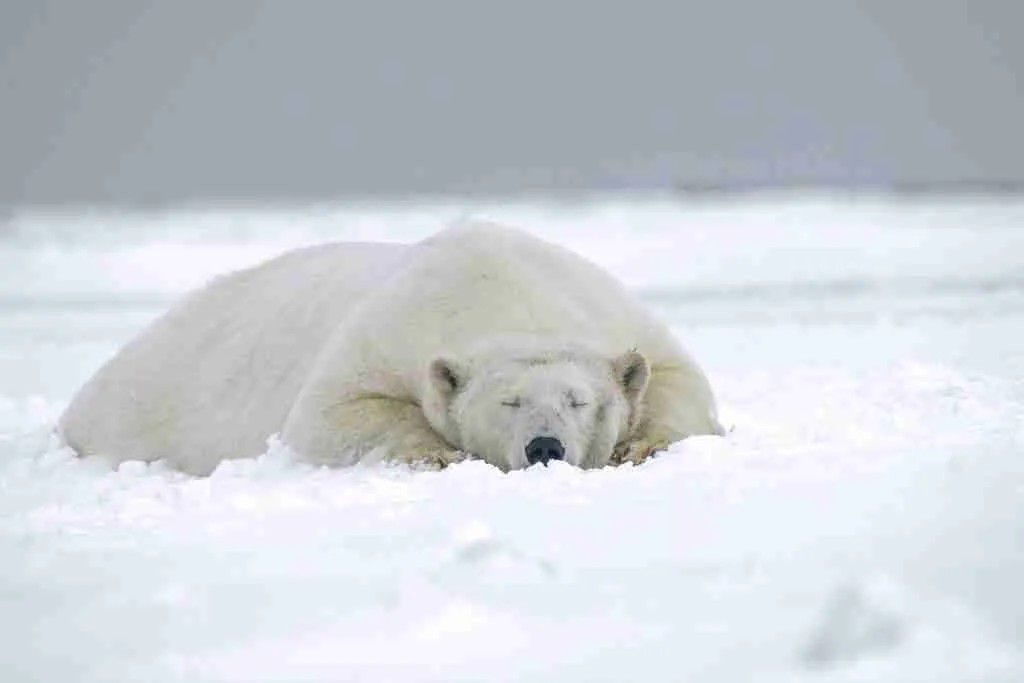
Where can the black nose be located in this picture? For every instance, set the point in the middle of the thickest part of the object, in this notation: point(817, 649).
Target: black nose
point(544, 448)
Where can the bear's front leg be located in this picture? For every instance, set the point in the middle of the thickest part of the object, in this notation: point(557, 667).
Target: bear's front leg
point(638, 450)
point(367, 429)
point(677, 404)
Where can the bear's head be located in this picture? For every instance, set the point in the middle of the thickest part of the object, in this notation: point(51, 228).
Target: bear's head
point(514, 410)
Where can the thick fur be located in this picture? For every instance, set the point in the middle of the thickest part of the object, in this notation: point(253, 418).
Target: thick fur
point(470, 342)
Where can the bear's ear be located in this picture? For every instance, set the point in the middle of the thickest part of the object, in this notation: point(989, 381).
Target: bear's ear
point(632, 371)
point(446, 376)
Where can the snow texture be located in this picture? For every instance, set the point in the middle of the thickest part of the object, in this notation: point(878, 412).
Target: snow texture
point(862, 521)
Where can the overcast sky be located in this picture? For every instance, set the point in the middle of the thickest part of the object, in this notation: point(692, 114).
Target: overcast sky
point(124, 101)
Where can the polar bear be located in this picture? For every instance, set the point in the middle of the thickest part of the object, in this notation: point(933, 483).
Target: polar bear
point(480, 341)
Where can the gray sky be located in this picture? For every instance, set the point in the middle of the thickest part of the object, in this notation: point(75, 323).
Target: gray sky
point(124, 101)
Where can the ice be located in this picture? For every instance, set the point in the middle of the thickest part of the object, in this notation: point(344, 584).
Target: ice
point(862, 520)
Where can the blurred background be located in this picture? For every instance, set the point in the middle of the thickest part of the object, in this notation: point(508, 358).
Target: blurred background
point(147, 104)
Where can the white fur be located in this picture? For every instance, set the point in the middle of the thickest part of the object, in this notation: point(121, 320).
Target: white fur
point(338, 347)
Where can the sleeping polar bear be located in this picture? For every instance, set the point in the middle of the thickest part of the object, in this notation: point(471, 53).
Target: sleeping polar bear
point(480, 341)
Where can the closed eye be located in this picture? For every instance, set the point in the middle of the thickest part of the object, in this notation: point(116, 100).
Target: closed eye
point(578, 404)
point(514, 403)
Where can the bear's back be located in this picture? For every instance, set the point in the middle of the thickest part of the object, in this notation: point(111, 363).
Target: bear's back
point(480, 281)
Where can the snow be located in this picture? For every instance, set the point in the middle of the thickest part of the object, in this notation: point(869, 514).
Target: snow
point(861, 521)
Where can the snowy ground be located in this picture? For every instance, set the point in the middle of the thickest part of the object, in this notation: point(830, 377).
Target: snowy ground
point(864, 520)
